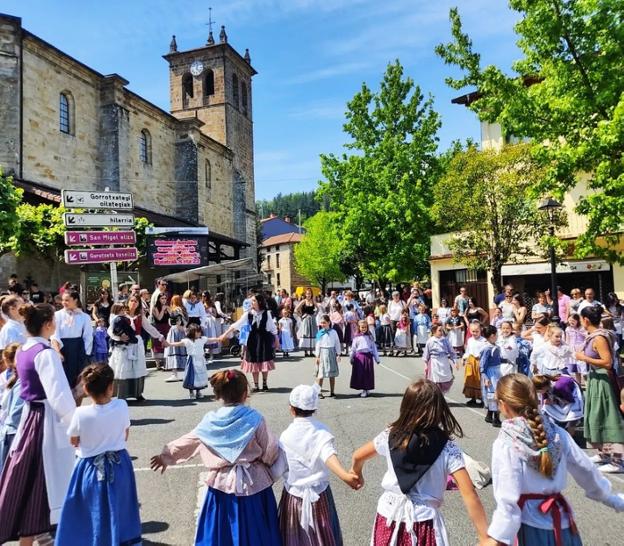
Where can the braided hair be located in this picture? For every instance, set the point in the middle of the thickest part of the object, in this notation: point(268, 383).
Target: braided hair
point(517, 391)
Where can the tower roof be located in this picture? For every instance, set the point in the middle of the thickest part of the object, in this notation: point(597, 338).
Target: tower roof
point(225, 47)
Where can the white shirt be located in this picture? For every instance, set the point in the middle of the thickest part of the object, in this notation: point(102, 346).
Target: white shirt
point(474, 346)
point(507, 309)
point(101, 428)
point(195, 347)
point(270, 324)
point(330, 339)
point(512, 476)
point(395, 308)
point(508, 347)
point(195, 310)
point(551, 359)
point(72, 324)
point(586, 303)
point(285, 324)
point(13, 331)
point(426, 496)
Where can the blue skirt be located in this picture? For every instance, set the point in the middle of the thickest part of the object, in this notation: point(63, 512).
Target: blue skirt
point(532, 536)
point(228, 520)
point(101, 505)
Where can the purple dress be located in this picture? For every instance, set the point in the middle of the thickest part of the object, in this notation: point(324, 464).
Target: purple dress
point(363, 357)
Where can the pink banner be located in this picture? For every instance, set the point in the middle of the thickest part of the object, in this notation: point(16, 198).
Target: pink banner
point(79, 238)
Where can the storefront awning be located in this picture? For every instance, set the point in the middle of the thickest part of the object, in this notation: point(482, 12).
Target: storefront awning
point(543, 268)
point(245, 264)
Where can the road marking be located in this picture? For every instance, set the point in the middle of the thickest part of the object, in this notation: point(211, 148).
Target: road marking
point(480, 414)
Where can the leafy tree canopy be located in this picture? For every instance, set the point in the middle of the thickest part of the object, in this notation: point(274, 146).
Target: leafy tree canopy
point(318, 255)
point(381, 189)
point(290, 205)
point(567, 97)
point(10, 198)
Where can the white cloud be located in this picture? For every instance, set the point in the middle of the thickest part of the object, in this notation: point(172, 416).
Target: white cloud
point(320, 110)
point(328, 71)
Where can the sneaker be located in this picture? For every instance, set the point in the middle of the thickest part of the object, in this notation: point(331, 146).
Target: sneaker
point(611, 468)
point(364, 394)
point(599, 459)
point(172, 378)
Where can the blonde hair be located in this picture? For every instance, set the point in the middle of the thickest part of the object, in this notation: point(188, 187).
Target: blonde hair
point(518, 392)
point(552, 329)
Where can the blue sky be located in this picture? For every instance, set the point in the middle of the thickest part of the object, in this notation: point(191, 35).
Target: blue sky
point(311, 56)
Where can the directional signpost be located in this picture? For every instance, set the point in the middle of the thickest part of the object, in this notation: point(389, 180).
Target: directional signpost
point(106, 204)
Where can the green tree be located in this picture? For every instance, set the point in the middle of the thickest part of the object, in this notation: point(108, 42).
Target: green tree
point(566, 96)
point(381, 189)
point(40, 231)
point(291, 205)
point(318, 255)
point(482, 199)
point(10, 198)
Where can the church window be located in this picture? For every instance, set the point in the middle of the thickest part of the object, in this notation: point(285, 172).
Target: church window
point(187, 86)
point(145, 147)
point(209, 83)
point(277, 260)
point(244, 97)
point(208, 176)
point(66, 113)
point(235, 89)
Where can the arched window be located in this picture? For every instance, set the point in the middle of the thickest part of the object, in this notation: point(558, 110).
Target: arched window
point(244, 97)
point(208, 177)
point(66, 113)
point(145, 147)
point(209, 83)
point(187, 86)
point(235, 89)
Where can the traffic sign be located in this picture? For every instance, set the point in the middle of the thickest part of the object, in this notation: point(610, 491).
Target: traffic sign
point(79, 238)
point(113, 200)
point(98, 220)
point(100, 255)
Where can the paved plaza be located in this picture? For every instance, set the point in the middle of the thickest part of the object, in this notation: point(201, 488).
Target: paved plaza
point(169, 502)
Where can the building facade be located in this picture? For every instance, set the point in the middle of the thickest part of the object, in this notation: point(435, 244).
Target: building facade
point(533, 273)
point(278, 262)
point(63, 125)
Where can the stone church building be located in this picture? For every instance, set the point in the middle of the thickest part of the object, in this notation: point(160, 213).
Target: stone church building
point(63, 125)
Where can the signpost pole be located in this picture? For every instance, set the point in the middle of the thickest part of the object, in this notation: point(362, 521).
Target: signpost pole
point(114, 282)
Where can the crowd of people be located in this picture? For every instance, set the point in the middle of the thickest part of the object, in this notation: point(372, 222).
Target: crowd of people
point(65, 468)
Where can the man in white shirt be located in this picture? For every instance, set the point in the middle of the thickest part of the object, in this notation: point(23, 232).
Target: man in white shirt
point(589, 300)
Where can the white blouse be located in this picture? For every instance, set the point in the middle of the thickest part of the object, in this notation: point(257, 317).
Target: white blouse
point(512, 477)
point(270, 325)
point(550, 359)
point(196, 310)
point(13, 331)
point(474, 346)
point(328, 340)
point(195, 347)
point(72, 324)
point(509, 348)
point(395, 308)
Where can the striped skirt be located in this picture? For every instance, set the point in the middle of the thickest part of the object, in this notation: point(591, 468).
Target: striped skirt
point(326, 530)
point(424, 530)
point(24, 509)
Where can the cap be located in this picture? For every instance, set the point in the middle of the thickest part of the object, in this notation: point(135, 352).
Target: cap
point(305, 397)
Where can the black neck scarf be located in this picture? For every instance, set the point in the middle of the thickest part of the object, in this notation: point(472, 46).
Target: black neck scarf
point(422, 451)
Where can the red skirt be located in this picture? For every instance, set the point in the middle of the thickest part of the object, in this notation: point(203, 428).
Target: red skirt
point(425, 533)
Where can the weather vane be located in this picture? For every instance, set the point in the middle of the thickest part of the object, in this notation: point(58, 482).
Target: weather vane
point(209, 23)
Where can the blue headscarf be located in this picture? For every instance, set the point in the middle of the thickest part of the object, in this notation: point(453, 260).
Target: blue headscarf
point(228, 430)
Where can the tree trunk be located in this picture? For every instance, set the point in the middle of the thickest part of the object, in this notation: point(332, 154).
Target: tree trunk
point(496, 278)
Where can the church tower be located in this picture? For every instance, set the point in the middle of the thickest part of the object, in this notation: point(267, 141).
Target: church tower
point(213, 84)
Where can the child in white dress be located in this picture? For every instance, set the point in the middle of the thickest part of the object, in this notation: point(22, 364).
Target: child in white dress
point(327, 352)
point(195, 372)
point(531, 459)
point(284, 326)
point(439, 357)
point(420, 454)
point(553, 356)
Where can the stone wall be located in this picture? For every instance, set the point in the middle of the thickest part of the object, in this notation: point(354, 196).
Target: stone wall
point(10, 92)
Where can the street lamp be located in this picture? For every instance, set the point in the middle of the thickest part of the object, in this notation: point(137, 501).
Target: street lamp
point(551, 206)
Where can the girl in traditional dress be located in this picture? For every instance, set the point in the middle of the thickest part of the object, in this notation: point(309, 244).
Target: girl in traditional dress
point(386, 340)
point(159, 315)
point(101, 506)
point(561, 399)
point(327, 354)
point(73, 337)
point(195, 374)
point(262, 341)
point(420, 454)
point(13, 330)
point(285, 331)
point(422, 328)
point(402, 334)
point(37, 471)
point(237, 448)
point(472, 376)
point(443, 312)
point(307, 309)
point(307, 512)
point(575, 338)
point(604, 425)
point(175, 357)
point(195, 310)
point(531, 459)
point(439, 357)
point(337, 321)
point(553, 356)
point(490, 361)
point(11, 403)
point(455, 331)
point(210, 327)
point(128, 351)
point(364, 355)
point(506, 340)
point(351, 320)
point(537, 333)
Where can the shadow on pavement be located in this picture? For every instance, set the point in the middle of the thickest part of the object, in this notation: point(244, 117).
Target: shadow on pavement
point(150, 527)
point(143, 422)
